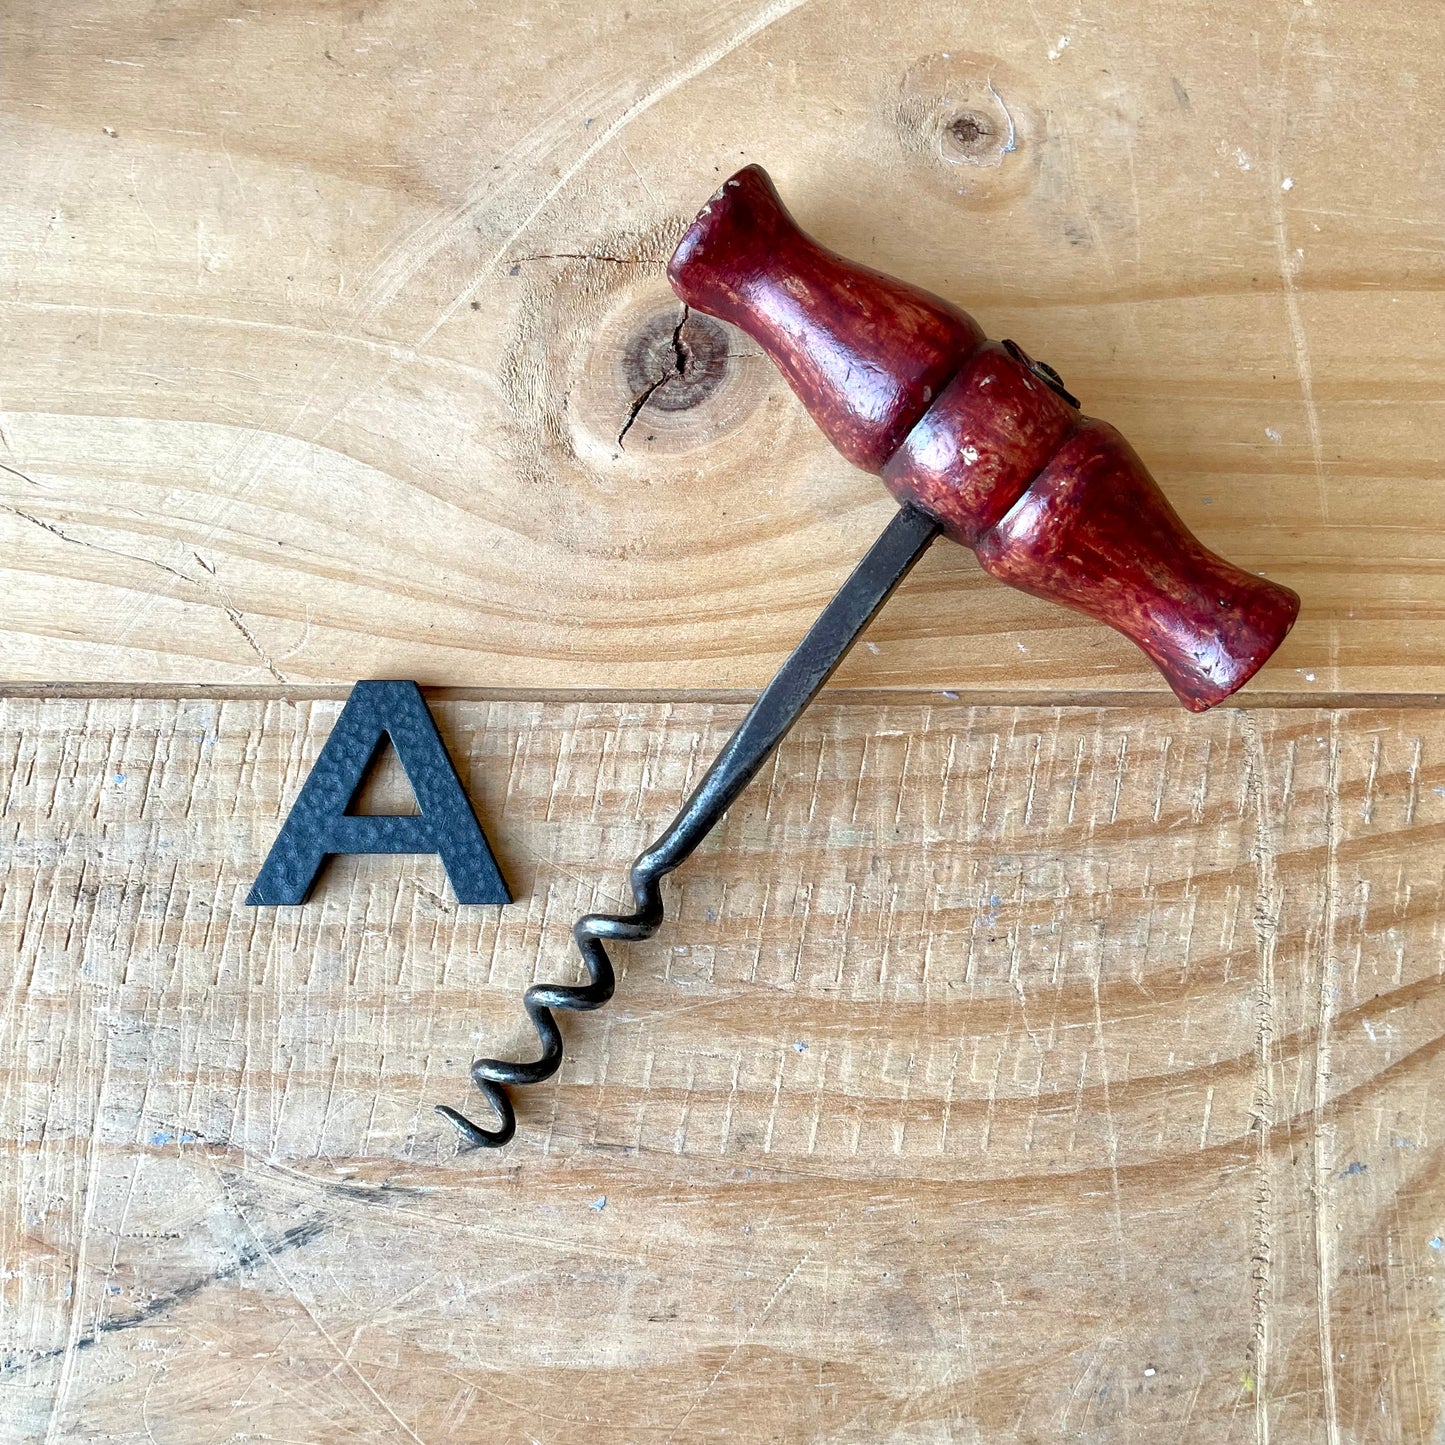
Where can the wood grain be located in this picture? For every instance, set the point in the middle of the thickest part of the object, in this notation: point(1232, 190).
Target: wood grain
point(318, 319)
point(1027, 1074)
point(1003, 1073)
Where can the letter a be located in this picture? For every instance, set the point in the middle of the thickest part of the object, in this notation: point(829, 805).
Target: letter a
point(319, 825)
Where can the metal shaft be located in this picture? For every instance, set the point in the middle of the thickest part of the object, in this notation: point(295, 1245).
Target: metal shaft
point(778, 707)
point(796, 683)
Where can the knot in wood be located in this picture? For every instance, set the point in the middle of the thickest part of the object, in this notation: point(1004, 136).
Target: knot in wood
point(674, 363)
point(971, 134)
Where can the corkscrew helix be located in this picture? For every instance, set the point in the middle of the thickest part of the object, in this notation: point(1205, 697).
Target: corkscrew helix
point(974, 439)
point(777, 708)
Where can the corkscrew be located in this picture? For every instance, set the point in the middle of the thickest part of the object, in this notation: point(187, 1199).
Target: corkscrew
point(976, 441)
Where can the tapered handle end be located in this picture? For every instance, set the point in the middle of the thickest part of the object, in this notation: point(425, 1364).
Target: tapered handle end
point(1095, 533)
point(866, 353)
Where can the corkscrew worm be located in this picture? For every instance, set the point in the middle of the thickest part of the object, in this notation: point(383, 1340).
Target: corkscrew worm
point(778, 707)
point(976, 441)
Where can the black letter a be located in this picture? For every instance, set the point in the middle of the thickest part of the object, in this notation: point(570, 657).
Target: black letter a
point(319, 824)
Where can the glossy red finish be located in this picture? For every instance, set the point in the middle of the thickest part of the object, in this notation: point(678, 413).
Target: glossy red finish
point(866, 353)
point(974, 452)
point(1094, 532)
point(905, 386)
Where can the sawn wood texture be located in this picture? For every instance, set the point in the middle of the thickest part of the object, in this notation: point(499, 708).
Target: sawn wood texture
point(1000, 1074)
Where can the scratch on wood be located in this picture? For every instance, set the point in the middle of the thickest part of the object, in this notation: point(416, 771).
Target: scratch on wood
point(1263, 854)
point(92, 546)
point(1289, 278)
point(783, 1286)
point(160, 1307)
point(1320, 1126)
point(239, 623)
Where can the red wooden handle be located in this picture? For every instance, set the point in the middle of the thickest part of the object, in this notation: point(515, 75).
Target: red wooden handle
point(905, 385)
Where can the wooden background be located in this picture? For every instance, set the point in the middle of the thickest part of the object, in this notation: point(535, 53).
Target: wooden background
point(1024, 1060)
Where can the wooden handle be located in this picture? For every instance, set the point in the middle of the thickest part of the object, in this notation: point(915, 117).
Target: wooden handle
point(905, 385)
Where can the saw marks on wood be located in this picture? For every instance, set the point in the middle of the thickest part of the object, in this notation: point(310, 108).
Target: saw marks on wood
point(1028, 1074)
point(327, 329)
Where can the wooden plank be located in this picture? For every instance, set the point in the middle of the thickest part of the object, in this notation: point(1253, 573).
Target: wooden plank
point(318, 326)
point(1026, 1074)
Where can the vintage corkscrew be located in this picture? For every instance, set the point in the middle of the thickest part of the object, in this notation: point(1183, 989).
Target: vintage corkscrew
point(975, 440)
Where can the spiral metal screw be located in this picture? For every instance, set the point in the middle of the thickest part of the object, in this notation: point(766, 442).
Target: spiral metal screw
point(778, 707)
